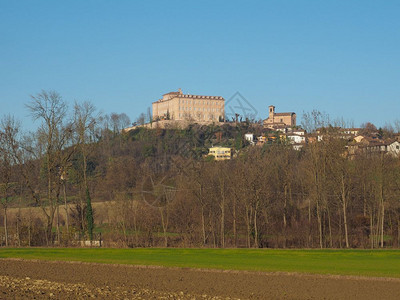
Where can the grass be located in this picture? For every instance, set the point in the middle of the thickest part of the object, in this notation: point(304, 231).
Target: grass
point(378, 263)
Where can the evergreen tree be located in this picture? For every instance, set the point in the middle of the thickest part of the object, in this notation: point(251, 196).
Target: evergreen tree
point(89, 215)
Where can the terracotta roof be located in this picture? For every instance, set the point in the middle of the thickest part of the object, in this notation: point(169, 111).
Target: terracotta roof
point(389, 142)
point(172, 93)
point(284, 114)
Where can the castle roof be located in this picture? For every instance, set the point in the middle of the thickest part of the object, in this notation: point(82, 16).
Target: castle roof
point(202, 97)
point(181, 95)
point(172, 93)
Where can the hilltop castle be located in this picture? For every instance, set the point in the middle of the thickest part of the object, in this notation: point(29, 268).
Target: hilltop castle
point(179, 106)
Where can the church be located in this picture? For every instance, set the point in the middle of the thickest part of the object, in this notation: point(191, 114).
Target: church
point(279, 120)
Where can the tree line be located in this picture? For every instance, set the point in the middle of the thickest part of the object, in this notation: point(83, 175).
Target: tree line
point(79, 174)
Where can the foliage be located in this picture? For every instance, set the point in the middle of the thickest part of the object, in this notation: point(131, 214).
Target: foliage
point(89, 215)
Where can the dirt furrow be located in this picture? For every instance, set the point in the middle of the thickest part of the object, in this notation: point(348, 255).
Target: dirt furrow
point(20, 279)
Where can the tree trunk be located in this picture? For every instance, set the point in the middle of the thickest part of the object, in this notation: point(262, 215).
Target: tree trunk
point(248, 218)
point(371, 229)
point(256, 243)
point(284, 216)
point(49, 188)
point(30, 228)
point(340, 230)
point(222, 207)
point(344, 203)
point(49, 229)
point(364, 200)
point(5, 226)
point(17, 228)
point(319, 224)
point(82, 211)
point(66, 209)
point(310, 243)
point(135, 227)
point(223, 224)
point(398, 233)
point(203, 225)
point(164, 222)
point(234, 224)
point(329, 228)
point(58, 226)
point(382, 222)
point(124, 231)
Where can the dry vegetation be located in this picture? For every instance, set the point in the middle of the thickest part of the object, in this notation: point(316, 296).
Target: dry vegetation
point(156, 187)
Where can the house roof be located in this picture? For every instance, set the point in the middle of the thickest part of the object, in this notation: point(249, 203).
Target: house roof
point(284, 114)
point(390, 142)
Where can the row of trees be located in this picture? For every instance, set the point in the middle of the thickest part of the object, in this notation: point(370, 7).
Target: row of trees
point(271, 197)
point(36, 166)
point(79, 175)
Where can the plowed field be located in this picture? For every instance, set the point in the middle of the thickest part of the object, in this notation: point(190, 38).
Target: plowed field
point(34, 279)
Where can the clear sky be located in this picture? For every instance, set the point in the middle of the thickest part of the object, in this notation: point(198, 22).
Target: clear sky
point(339, 57)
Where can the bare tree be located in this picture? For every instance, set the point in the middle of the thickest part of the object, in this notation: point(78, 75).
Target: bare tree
point(53, 134)
point(368, 129)
point(141, 120)
point(119, 122)
point(314, 120)
point(397, 126)
point(85, 120)
point(8, 133)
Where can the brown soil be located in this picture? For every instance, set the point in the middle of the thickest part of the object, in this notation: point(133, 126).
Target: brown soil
point(20, 279)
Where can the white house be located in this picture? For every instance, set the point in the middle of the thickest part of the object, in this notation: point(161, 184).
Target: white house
point(296, 139)
point(299, 131)
point(392, 148)
point(249, 137)
point(352, 131)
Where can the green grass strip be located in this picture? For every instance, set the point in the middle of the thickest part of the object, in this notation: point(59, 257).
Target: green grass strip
point(377, 263)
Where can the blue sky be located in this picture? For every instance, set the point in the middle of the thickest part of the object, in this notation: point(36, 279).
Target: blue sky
point(339, 57)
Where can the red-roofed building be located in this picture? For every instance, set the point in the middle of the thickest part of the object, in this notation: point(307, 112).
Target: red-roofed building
point(279, 120)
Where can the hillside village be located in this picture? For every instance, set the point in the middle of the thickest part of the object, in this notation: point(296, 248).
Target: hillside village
point(193, 177)
point(179, 110)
